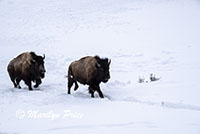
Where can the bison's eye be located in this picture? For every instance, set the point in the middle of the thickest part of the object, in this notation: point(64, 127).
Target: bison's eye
point(102, 69)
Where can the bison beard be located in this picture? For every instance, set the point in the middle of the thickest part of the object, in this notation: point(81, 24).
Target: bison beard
point(28, 67)
point(90, 71)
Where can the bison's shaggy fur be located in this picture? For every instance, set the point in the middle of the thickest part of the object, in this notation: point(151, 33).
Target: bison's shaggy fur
point(27, 67)
point(90, 71)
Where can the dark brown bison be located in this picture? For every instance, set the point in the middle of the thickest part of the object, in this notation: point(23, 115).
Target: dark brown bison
point(91, 71)
point(27, 67)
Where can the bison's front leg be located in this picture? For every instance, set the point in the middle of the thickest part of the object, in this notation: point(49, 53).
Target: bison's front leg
point(99, 91)
point(94, 88)
point(38, 82)
point(28, 82)
point(91, 91)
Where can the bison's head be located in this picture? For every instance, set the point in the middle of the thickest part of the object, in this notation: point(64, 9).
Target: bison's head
point(103, 66)
point(38, 62)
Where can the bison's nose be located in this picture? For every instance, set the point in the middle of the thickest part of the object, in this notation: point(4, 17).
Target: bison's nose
point(108, 78)
point(43, 71)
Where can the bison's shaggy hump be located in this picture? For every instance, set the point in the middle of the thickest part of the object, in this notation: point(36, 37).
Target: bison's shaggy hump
point(28, 67)
point(90, 70)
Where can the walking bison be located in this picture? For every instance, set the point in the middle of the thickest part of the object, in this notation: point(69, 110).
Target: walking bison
point(27, 67)
point(90, 71)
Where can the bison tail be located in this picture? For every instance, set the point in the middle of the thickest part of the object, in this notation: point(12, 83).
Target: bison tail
point(70, 74)
point(10, 68)
point(11, 71)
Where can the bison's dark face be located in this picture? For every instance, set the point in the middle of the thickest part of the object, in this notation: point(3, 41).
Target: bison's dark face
point(38, 62)
point(103, 66)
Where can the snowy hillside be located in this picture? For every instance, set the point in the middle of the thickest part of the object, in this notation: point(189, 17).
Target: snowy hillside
point(140, 36)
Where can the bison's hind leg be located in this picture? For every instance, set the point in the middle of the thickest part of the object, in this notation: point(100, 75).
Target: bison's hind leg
point(18, 81)
point(70, 83)
point(12, 76)
point(76, 85)
point(14, 83)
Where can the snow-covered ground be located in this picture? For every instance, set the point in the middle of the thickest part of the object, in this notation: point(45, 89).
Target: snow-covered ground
point(140, 36)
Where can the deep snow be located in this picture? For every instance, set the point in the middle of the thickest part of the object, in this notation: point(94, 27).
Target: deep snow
point(140, 37)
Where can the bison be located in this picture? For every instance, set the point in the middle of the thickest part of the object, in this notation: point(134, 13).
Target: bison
point(90, 70)
point(27, 67)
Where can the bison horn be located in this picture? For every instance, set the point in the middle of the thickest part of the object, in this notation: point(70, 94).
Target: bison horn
point(109, 61)
point(43, 56)
point(33, 61)
point(98, 65)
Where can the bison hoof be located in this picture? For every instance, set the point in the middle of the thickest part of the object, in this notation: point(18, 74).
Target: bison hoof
point(35, 86)
point(101, 96)
point(92, 95)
